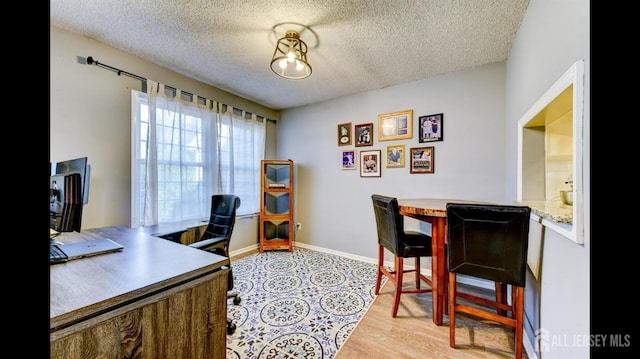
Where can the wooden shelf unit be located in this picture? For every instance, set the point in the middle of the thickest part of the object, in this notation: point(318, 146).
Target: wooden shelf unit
point(276, 205)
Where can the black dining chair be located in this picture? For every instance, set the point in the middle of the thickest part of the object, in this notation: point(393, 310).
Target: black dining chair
point(489, 242)
point(402, 244)
point(217, 236)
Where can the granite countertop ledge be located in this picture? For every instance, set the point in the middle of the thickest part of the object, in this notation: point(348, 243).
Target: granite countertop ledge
point(551, 210)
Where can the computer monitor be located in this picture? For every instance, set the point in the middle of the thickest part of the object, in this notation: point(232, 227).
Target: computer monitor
point(65, 205)
point(80, 166)
point(69, 191)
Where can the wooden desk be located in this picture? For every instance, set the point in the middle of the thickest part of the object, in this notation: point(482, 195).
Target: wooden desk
point(434, 211)
point(184, 232)
point(154, 299)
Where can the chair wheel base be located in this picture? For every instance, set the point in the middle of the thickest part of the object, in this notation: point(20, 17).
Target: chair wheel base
point(231, 327)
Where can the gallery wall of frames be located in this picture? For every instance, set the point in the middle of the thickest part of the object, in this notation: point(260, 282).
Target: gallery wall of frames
point(394, 126)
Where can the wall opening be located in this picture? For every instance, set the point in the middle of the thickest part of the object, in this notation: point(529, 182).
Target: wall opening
point(550, 156)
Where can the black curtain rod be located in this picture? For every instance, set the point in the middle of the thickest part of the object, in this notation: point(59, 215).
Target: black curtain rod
point(91, 61)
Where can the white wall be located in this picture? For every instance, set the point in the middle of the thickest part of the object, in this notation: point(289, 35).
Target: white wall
point(334, 205)
point(553, 36)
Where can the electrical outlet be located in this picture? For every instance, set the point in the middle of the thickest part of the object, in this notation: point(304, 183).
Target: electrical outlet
point(299, 226)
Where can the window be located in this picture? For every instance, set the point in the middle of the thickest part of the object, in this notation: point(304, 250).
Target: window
point(242, 143)
point(189, 154)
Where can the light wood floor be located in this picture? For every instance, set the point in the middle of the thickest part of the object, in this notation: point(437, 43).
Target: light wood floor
point(412, 333)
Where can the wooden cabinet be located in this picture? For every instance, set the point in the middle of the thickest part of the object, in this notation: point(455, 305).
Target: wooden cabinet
point(276, 205)
point(187, 321)
point(154, 299)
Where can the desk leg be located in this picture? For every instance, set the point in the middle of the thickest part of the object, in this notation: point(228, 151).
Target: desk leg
point(438, 267)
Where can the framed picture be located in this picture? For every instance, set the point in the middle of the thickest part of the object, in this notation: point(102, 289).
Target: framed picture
point(370, 163)
point(395, 126)
point(421, 159)
point(430, 128)
point(349, 160)
point(344, 134)
point(395, 156)
point(364, 134)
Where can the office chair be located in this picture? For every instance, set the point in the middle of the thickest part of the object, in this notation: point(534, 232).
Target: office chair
point(489, 242)
point(217, 236)
point(402, 244)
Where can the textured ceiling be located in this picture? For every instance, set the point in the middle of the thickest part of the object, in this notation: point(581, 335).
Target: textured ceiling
point(354, 45)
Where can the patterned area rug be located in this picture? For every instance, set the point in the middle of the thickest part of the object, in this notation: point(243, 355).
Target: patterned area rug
point(300, 304)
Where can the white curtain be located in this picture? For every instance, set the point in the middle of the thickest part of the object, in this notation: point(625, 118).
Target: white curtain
point(186, 151)
point(242, 146)
point(150, 199)
point(182, 162)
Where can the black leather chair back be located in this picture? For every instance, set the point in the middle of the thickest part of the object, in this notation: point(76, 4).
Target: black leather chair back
point(223, 216)
point(389, 222)
point(488, 241)
point(217, 237)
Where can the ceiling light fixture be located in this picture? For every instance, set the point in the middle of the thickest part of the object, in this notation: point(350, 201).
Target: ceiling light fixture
point(290, 57)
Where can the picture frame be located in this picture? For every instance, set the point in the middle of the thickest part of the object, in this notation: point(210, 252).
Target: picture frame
point(344, 134)
point(363, 134)
point(395, 125)
point(430, 128)
point(370, 163)
point(395, 156)
point(349, 160)
point(422, 159)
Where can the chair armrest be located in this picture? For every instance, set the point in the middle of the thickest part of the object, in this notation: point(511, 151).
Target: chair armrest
point(211, 242)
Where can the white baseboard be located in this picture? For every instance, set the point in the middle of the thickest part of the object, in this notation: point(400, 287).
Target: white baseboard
point(243, 250)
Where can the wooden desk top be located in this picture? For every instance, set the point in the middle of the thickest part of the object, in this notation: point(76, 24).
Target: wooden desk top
point(81, 288)
point(174, 227)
